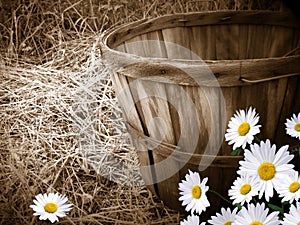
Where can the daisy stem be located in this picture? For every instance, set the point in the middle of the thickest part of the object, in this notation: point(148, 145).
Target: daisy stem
point(220, 196)
point(295, 150)
point(256, 139)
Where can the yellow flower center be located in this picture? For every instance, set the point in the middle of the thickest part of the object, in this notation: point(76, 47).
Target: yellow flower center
point(266, 171)
point(294, 187)
point(243, 128)
point(245, 189)
point(51, 207)
point(256, 223)
point(298, 223)
point(228, 223)
point(196, 192)
point(297, 127)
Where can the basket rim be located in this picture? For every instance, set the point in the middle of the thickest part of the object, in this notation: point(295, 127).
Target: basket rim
point(277, 18)
point(238, 66)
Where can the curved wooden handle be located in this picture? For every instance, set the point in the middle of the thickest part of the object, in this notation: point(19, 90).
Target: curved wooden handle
point(170, 150)
point(268, 78)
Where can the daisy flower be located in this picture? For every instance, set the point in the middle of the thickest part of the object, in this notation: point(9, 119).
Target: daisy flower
point(193, 192)
point(242, 128)
point(225, 218)
point(293, 217)
point(293, 126)
point(50, 206)
point(244, 188)
point(256, 215)
point(267, 165)
point(192, 220)
point(289, 188)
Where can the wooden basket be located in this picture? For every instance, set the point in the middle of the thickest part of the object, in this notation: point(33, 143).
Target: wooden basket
point(254, 55)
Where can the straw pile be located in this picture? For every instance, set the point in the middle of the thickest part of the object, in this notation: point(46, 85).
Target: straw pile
point(61, 129)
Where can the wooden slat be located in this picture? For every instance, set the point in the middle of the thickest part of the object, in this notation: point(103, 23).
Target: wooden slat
point(211, 45)
point(183, 114)
point(290, 106)
point(156, 106)
point(154, 45)
point(184, 121)
point(254, 44)
point(163, 187)
point(203, 41)
point(267, 41)
point(243, 40)
point(177, 42)
point(256, 96)
point(276, 100)
point(282, 42)
point(131, 116)
point(227, 44)
point(135, 46)
point(121, 48)
point(233, 100)
point(198, 41)
point(296, 41)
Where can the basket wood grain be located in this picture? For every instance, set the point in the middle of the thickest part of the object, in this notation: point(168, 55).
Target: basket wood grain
point(254, 55)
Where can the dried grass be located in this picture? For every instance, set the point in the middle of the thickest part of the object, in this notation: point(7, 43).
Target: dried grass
point(56, 125)
point(61, 129)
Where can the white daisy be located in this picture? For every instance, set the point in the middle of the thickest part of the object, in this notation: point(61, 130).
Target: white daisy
point(267, 165)
point(256, 215)
point(225, 218)
point(293, 217)
point(50, 206)
point(242, 128)
point(192, 220)
point(293, 126)
point(289, 188)
point(244, 188)
point(193, 193)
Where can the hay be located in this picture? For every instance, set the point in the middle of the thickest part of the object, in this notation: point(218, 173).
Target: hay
point(56, 125)
point(61, 129)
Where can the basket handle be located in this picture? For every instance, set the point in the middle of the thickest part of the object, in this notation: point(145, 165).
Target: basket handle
point(169, 150)
point(268, 79)
point(274, 77)
point(291, 52)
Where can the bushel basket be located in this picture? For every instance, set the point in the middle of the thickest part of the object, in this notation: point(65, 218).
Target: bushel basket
point(179, 78)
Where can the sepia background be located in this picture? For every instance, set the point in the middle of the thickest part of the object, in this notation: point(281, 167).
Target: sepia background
point(55, 95)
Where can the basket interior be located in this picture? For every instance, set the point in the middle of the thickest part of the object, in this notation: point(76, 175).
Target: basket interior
point(213, 37)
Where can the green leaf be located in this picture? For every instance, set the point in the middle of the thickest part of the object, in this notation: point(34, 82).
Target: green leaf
point(299, 151)
point(276, 208)
point(235, 152)
point(238, 205)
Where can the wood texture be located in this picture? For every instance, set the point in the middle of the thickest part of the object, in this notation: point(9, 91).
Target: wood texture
point(228, 72)
point(132, 117)
point(177, 43)
point(131, 30)
point(245, 58)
